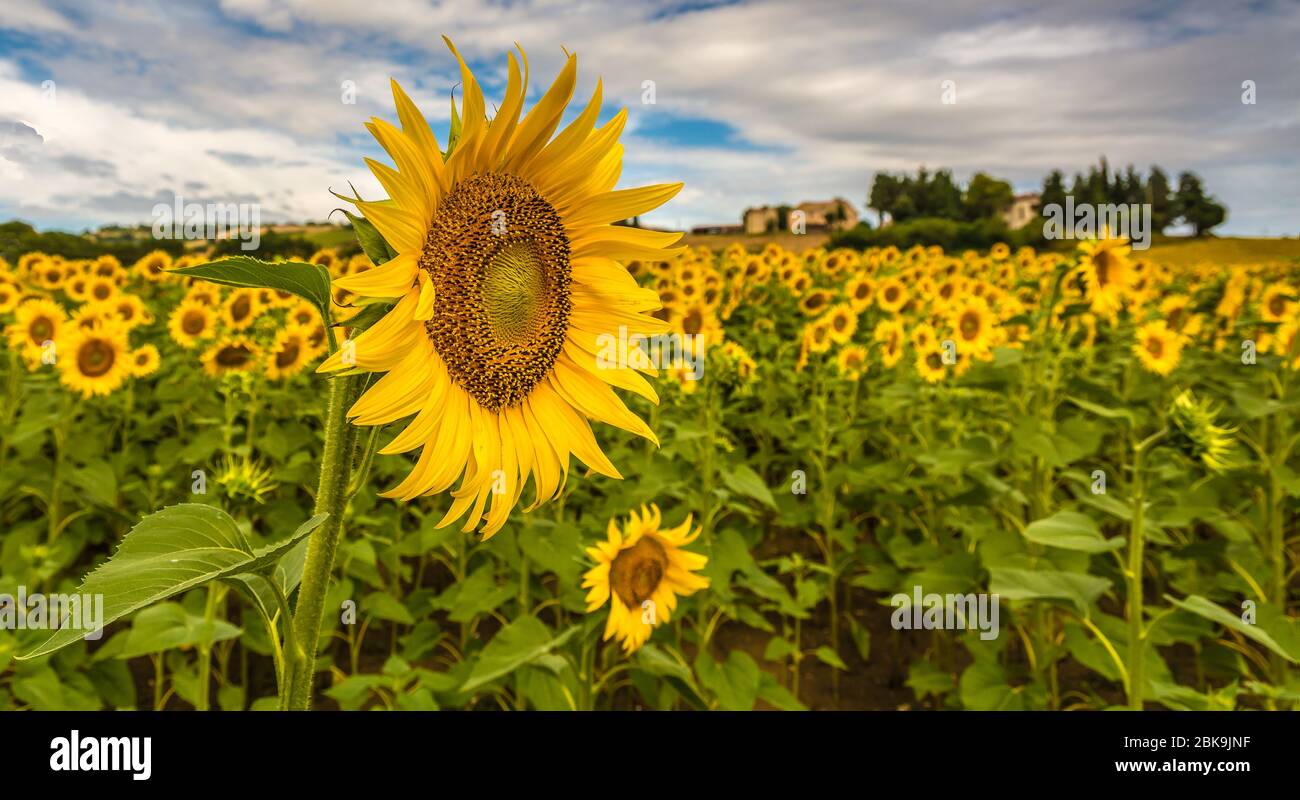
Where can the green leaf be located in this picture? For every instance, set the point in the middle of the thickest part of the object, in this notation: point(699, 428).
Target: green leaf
point(984, 687)
point(861, 639)
point(385, 606)
point(371, 240)
point(369, 314)
point(1070, 530)
point(828, 656)
point(778, 696)
point(1027, 584)
point(309, 281)
point(521, 642)
point(1203, 607)
point(1102, 411)
point(744, 481)
point(734, 683)
point(168, 626)
point(169, 552)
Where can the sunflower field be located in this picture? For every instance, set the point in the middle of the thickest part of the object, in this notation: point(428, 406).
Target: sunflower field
point(373, 482)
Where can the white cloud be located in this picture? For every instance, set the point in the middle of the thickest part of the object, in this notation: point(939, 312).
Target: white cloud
point(825, 93)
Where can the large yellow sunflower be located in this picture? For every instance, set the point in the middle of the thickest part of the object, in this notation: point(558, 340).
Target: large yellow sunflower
point(94, 360)
point(640, 571)
point(508, 279)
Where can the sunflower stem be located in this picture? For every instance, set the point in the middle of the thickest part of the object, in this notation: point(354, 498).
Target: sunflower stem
point(331, 499)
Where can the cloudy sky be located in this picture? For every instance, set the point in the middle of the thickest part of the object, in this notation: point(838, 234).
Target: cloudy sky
point(107, 108)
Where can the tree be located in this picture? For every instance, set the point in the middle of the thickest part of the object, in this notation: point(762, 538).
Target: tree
point(986, 197)
point(1053, 192)
point(1162, 205)
point(885, 190)
point(1195, 207)
point(942, 197)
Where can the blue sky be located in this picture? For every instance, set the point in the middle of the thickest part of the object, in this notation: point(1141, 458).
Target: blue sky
point(754, 102)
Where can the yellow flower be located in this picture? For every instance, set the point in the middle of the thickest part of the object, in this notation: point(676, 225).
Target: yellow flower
point(231, 354)
point(1277, 303)
point(861, 291)
point(206, 293)
point(10, 295)
point(240, 309)
point(1158, 348)
point(191, 321)
point(93, 361)
point(1106, 273)
point(101, 290)
point(891, 295)
point(924, 335)
point(972, 325)
point(507, 272)
point(842, 321)
point(145, 361)
point(817, 336)
point(36, 322)
point(889, 334)
point(815, 302)
point(153, 267)
point(130, 310)
point(851, 361)
point(290, 353)
point(640, 571)
point(929, 363)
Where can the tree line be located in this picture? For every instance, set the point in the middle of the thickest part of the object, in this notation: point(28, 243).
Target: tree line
point(907, 198)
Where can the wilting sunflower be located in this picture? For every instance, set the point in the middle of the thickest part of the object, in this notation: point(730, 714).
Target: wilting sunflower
point(94, 361)
point(508, 276)
point(290, 353)
point(191, 321)
point(144, 360)
point(36, 322)
point(640, 571)
point(231, 354)
point(1158, 347)
point(1106, 273)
